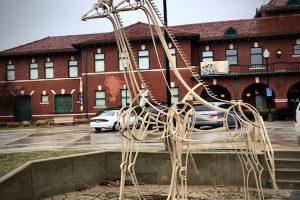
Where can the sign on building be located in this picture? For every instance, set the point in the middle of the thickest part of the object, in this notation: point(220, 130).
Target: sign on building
point(214, 67)
point(269, 91)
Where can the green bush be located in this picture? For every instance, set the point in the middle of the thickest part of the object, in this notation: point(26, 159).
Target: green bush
point(25, 123)
point(40, 123)
point(49, 121)
point(277, 114)
point(3, 124)
point(81, 121)
point(13, 124)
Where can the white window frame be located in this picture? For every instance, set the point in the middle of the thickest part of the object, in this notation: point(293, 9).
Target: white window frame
point(33, 71)
point(72, 67)
point(10, 72)
point(99, 59)
point(207, 56)
point(49, 70)
point(102, 99)
point(144, 59)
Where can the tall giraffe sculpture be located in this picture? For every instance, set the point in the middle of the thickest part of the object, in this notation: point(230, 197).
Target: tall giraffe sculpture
point(178, 125)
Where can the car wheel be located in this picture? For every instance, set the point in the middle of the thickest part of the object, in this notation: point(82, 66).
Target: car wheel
point(115, 127)
point(98, 130)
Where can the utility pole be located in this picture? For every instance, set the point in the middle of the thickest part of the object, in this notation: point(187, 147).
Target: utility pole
point(167, 64)
point(269, 92)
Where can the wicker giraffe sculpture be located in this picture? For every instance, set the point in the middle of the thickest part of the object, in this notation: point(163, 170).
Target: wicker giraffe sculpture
point(177, 123)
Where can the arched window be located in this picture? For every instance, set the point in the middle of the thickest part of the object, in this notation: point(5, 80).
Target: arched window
point(230, 32)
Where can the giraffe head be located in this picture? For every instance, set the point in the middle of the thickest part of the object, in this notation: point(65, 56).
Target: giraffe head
point(99, 10)
point(104, 8)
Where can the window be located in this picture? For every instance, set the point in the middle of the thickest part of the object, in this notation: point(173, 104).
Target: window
point(49, 70)
point(297, 49)
point(144, 62)
point(230, 32)
point(63, 103)
point(256, 56)
point(99, 62)
point(173, 54)
point(100, 98)
point(10, 72)
point(207, 56)
point(232, 56)
point(33, 71)
point(44, 98)
point(125, 97)
point(122, 61)
point(73, 68)
point(174, 95)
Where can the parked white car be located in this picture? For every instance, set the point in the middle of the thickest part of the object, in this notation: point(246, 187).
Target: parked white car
point(298, 113)
point(108, 120)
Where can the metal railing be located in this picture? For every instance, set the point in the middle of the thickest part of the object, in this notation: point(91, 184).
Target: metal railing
point(281, 67)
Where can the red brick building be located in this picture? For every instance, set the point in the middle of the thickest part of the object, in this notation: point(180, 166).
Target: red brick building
point(42, 79)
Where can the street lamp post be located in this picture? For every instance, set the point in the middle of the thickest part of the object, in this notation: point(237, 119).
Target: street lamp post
point(269, 94)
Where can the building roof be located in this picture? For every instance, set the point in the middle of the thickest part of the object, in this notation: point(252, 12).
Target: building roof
point(279, 7)
point(258, 27)
point(136, 31)
point(49, 45)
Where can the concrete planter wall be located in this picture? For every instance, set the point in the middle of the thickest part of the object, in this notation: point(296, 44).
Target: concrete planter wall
point(44, 178)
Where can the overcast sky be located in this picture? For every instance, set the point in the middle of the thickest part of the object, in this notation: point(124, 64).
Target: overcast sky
point(24, 21)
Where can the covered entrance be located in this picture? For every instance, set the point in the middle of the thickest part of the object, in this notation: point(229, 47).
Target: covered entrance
point(22, 108)
point(294, 96)
point(255, 95)
point(220, 92)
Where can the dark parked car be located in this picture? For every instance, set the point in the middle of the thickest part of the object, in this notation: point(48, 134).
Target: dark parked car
point(213, 114)
point(153, 116)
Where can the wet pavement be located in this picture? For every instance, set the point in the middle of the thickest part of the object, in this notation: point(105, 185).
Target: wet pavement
point(282, 136)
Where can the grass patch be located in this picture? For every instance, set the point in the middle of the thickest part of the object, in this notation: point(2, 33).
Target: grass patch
point(11, 161)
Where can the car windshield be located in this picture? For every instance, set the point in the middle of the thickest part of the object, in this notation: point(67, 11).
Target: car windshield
point(202, 108)
point(205, 108)
point(107, 113)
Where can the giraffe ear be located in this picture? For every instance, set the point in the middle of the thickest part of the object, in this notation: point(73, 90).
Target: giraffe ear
point(100, 2)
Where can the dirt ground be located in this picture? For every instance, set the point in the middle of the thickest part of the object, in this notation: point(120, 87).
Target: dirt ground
point(159, 192)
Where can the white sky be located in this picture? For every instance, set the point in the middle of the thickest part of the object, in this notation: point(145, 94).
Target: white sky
point(24, 21)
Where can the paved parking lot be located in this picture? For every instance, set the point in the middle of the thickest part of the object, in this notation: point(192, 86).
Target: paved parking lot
point(282, 135)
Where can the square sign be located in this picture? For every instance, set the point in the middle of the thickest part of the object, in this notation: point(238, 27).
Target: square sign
point(269, 92)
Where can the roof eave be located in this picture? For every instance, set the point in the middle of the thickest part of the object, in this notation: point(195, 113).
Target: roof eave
point(38, 53)
point(242, 37)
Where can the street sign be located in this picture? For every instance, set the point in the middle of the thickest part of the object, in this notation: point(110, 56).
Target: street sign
point(269, 92)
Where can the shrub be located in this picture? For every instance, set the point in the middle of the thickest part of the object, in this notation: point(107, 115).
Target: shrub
point(277, 114)
point(81, 121)
point(25, 123)
point(13, 124)
point(49, 121)
point(3, 124)
point(40, 123)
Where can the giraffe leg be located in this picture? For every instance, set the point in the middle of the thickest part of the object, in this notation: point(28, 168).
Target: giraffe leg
point(123, 167)
point(131, 170)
